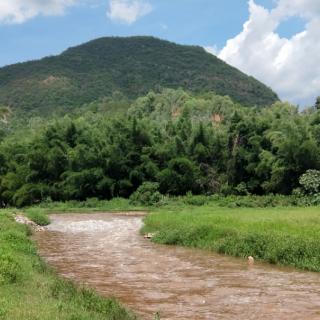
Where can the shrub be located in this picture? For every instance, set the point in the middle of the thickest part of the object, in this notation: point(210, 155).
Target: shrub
point(92, 203)
point(195, 200)
point(241, 189)
point(147, 194)
point(310, 182)
point(179, 178)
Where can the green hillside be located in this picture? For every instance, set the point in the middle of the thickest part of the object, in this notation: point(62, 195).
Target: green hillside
point(132, 66)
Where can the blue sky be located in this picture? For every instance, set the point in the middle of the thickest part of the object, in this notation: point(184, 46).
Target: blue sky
point(201, 22)
point(30, 30)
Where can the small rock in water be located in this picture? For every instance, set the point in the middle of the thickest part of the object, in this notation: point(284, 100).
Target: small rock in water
point(149, 235)
point(250, 260)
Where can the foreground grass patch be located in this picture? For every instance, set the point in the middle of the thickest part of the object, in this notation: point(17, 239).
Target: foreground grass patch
point(29, 291)
point(287, 236)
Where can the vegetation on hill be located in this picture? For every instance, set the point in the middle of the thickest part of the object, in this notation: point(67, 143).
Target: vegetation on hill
point(204, 144)
point(131, 66)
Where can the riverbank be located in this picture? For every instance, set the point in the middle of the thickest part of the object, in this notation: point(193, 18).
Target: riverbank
point(275, 229)
point(30, 290)
point(281, 235)
point(270, 229)
point(105, 251)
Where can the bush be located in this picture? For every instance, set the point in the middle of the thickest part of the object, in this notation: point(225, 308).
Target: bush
point(147, 194)
point(92, 203)
point(179, 178)
point(195, 200)
point(241, 189)
point(310, 182)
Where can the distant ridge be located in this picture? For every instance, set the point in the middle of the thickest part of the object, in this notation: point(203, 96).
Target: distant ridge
point(132, 66)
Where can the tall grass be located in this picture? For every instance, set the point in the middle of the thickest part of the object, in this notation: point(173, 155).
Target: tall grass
point(288, 235)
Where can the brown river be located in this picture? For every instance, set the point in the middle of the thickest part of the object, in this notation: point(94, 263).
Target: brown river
point(106, 252)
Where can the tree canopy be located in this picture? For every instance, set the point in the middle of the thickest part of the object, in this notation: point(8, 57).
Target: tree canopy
point(179, 141)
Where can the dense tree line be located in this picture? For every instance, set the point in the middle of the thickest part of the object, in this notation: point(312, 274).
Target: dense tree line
point(204, 144)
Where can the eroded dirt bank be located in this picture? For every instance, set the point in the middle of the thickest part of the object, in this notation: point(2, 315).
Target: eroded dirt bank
point(106, 252)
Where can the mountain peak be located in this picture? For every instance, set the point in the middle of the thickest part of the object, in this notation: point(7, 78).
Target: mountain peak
point(132, 66)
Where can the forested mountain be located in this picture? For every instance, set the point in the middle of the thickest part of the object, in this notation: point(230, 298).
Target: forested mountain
point(129, 66)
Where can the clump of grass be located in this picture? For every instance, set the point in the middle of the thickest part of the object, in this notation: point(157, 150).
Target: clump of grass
point(286, 236)
point(10, 269)
point(38, 216)
point(68, 292)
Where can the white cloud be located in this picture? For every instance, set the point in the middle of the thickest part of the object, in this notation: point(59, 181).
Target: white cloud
point(291, 66)
point(212, 49)
point(128, 11)
point(18, 11)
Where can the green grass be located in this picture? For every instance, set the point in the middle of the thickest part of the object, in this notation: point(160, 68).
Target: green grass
point(282, 235)
point(29, 290)
point(38, 216)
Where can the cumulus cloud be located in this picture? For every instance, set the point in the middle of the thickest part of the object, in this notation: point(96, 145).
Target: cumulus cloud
point(212, 49)
point(291, 66)
point(128, 11)
point(19, 11)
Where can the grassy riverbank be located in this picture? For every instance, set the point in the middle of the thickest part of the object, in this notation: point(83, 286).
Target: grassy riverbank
point(281, 235)
point(29, 290)
point(272, 229)
point(276, 229)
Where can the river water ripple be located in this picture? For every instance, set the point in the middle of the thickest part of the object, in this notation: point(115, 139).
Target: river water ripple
point(106, 252)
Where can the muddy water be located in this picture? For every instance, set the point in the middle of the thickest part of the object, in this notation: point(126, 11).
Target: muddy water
point(107, 253)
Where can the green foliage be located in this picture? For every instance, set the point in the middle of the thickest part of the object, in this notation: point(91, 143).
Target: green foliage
point(317, 104)
point(125, 67)
point(179, 177)
point(192, 200)
point(147, 194)
point(310, 182)
point(204, 144)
